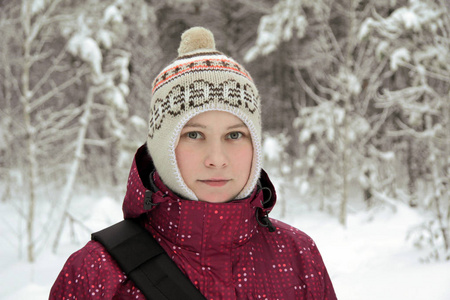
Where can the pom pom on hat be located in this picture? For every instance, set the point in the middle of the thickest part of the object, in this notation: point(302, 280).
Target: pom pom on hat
point(196, 38)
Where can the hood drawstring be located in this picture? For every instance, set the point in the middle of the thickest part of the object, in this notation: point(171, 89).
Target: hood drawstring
point(262, 217)
point(148, 200)
point(148, 203)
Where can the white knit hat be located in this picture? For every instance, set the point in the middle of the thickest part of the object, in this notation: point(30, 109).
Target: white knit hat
point(201, 79)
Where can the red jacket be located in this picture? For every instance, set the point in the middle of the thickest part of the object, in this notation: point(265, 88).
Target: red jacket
point(221, 247)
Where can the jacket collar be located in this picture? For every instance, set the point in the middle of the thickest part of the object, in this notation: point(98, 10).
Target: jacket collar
point(176, 219)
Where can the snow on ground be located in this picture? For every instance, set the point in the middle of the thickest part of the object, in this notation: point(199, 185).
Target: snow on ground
point(369, 259)
point(21, 280)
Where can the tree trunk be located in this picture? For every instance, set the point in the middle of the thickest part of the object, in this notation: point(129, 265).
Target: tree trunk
point(78, 156)
point(347, 98)
point(439, 193)
point(31, 160)
point(345, 163)
point(412, 173)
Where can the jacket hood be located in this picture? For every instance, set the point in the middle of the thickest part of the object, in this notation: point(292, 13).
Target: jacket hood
point(142, 192)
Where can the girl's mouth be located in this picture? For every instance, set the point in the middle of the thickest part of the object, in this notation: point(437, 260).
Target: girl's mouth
point(215, 182)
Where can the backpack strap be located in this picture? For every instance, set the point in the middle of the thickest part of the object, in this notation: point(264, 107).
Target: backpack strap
point(145, 262)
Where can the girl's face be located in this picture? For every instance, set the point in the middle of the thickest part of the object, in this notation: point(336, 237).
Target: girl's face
point(214, 155)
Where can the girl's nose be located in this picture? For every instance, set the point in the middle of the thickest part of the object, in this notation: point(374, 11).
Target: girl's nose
point(216, 155)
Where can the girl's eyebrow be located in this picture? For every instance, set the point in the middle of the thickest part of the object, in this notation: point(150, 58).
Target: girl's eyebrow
point(198, 125)
point(240, 125)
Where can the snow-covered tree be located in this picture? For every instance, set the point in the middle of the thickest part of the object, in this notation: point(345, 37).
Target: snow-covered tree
point(320, 37)
point(365, 77)
point(97, 43)
point(34, 93)
point(415, 39)
point(70, 69)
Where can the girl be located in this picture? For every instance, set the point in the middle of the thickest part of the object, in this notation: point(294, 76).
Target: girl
point(210, 196)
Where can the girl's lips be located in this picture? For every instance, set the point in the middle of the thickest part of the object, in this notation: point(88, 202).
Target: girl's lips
point(215, 182)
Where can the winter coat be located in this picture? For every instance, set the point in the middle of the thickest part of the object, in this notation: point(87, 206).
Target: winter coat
point(224, 249)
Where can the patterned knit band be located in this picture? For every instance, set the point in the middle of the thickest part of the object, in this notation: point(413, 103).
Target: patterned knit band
point(201, 79)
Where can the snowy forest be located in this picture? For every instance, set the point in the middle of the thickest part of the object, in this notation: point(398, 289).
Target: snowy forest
point(355, 103)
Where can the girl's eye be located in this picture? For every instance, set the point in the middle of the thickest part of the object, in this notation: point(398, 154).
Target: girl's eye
point(194, 135)
point(234, 135)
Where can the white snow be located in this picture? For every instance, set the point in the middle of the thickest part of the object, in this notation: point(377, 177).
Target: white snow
point(36, 6)
point(138, 122)
point(287, 18)
point(407, 17)
point(369, 259)
point(382, 49)
point(354, 86)
point(365, 28)
point(105, 38)
point(112, 14)
point(272, 148)
point(124, 89)
point(410, 20)
point(121, 63)
point(115, 97)
point(22, 280)
point(398, 57)
point(87, 49)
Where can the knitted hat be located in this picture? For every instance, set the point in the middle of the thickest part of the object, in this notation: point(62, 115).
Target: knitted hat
point(201, 79)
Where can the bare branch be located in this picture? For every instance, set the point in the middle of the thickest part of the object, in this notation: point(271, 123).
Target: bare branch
point(334, 42)
point(307, 89)
point(443, 77)
point(57, 120)
point(99, 143)
point(41, 20)
point(376, 127)
point(41, 100)
point(411, 132)
point(320, 87)
point(50, 71)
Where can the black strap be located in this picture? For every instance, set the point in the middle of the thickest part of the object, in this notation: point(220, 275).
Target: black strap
point(145, 262)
